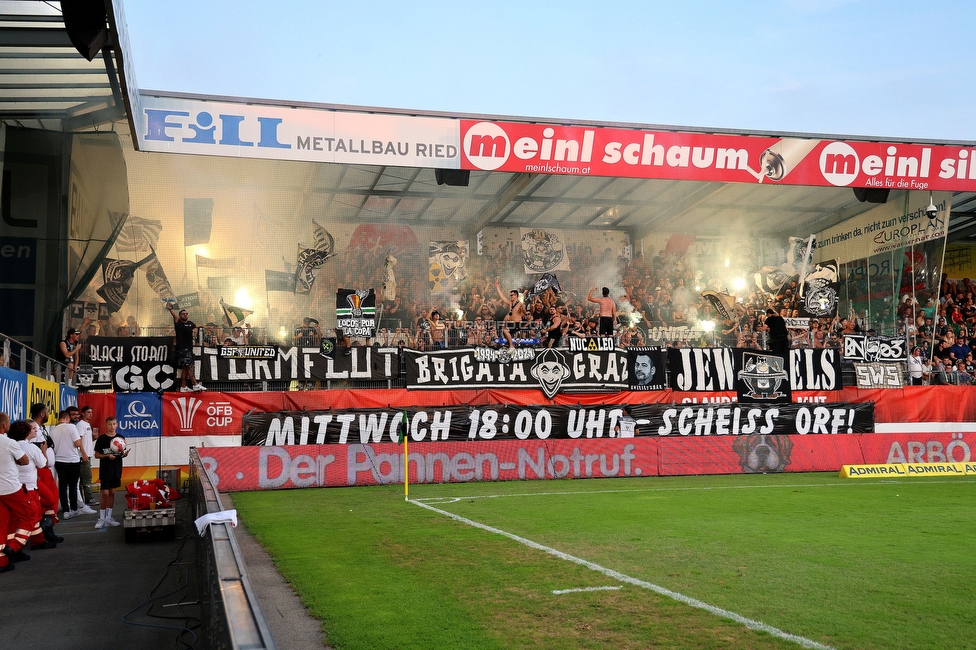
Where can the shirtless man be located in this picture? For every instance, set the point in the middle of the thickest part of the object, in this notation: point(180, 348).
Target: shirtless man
point(608, 310)
point(516, 312)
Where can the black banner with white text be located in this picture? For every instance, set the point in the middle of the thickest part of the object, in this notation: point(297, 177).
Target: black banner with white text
point(274, 363)
point(469, 423)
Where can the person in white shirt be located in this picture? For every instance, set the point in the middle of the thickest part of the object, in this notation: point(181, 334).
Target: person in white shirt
point(20, 431)
point(626, 424)
point(82, 420)
point(68, 454)
point(14, 504)
point(916, 368)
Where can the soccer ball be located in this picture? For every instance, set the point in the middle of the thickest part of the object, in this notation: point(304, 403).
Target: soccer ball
point(117, 445)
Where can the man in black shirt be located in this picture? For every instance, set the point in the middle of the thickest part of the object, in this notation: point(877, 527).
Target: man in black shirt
point(779, 336)
point(185, 329)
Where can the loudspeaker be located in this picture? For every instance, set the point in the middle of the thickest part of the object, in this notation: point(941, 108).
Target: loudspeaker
point(871, 195)
point(455, 177)
point(87, 25)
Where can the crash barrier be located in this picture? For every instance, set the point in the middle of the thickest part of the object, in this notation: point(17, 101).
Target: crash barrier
point(232, 617)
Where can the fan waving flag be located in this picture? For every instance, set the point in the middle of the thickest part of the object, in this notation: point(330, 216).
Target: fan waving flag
point(234, 315)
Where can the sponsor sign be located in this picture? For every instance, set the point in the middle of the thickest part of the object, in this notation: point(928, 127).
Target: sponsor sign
point(858, 347)
point(139, 414)
point(44, 392)
point(129, 364)
point(551, 371)
point(178, 125)
point(646, 368)
point(641, 153)
point(13, 393)
point(466, 423)
point(879, 375)
point(910, 470)
point(364, 363)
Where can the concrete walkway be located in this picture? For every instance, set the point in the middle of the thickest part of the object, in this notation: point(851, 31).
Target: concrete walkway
point(74, 597)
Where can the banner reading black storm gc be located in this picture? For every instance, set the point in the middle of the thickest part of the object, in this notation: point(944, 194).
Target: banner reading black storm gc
point(496, 422)
point(551, 371)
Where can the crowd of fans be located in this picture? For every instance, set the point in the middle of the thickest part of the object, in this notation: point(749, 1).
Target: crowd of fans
point(658, 301)
point(45, 476)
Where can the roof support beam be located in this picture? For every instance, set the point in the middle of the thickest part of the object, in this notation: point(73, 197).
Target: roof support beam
point(505, 196)
point(33, 37)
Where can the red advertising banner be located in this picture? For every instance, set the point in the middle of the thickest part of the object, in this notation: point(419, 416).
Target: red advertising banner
point(271, 468)
point(187, 414)
point(636, 153)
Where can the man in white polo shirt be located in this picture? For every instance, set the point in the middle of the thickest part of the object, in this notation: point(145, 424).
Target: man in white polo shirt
point(68, 454)
point(82, 420)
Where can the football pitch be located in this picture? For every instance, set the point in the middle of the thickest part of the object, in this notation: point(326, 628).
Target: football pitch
point(746, 561)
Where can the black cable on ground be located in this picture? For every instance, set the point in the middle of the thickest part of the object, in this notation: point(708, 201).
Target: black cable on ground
point(190, 623)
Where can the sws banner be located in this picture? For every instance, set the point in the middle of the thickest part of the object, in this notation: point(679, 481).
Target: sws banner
point(274, 363)
point(551, 371)
point(128, 363)
point(761, 375)
point(467, 423)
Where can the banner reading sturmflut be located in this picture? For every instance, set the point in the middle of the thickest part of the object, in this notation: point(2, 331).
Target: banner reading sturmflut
point(274, 363)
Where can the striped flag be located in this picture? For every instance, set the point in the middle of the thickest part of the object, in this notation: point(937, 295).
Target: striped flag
point(234, 315)
point(139, 234)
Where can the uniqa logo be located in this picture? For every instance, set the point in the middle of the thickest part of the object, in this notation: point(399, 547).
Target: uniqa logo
point(137, 417)
point(486, 145)
point(186, 409)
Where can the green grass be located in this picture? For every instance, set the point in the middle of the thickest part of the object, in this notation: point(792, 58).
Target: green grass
point(847, 563)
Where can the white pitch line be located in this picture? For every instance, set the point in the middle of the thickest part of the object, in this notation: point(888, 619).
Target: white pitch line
point(581, 589)
point(849, 483)
point(620, 577)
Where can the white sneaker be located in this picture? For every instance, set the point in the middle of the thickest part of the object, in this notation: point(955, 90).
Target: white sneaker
point(199, 387)
point(85, 510)
point(111, 522)
point(100, 523)
point(184, 389)
point(68, 514)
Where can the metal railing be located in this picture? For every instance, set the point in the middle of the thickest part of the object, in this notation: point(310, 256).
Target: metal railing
point(232, 617)
point(17, 356)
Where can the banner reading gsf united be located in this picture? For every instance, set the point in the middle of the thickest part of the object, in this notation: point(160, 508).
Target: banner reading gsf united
point(499, 422)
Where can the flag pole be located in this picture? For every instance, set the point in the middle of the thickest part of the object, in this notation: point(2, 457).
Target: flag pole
point(406, 472)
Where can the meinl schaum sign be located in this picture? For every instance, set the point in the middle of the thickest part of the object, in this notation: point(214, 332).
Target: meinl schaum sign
point(275, 363)
point(497, 422)
point(551, 371)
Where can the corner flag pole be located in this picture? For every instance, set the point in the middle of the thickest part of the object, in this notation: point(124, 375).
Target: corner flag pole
point(406, 468)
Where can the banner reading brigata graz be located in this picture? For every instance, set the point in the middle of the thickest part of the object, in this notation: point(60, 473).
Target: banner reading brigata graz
point(551, 371)
point(467, 423)
point(276, 363)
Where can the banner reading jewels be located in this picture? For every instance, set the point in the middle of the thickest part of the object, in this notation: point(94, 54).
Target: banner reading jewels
point(274, 363)
point(771, 377)
point(467, 423)
point(551, 371)
point(128, 363)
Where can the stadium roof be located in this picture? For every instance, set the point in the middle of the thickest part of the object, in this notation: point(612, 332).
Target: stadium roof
point(47, 84)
